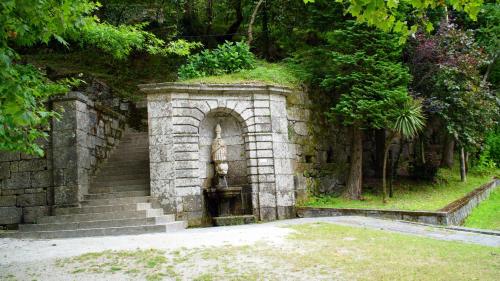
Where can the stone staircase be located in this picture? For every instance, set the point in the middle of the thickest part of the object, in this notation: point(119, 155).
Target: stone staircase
point(118, 202)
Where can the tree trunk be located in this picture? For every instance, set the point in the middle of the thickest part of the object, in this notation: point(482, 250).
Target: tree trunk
point(252, 20)
point(395, 165)
point(387, 145)
point(448, 150)
point(236, 24)
point(490, 67)
point(463, 173)
point(380, 143)
point(209, 17)
point(265, 31)
point(355, 177)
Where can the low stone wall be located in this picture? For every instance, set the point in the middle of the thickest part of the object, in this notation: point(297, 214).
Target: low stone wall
point(414, 216)
point(78, 142)
point(460, 209)
point(453, 214)
point(25, 186)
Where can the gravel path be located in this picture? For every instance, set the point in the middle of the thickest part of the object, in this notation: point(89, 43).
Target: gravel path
point(23, 259)
point(24, 250)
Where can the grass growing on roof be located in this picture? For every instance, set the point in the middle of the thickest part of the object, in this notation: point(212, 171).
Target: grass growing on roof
point(411, 195)
point(264, 73)
point(487, 214)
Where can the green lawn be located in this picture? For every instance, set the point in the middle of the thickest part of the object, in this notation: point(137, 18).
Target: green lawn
point(319, 251)
point(264, 73)
point(487, 214)
point(411, 195)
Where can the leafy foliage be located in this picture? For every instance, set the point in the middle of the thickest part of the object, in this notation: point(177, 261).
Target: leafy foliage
point(410, 120)
point(351, 68)
point(229, 57)
point(24, 91)
point(388, 15)
point(446, 67)
point(493, 146)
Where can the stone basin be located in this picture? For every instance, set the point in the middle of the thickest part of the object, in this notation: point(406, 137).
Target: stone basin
point(224, 192)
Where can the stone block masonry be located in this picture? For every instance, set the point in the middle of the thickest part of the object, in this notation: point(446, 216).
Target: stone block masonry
point(30, 186)
point(176, 116)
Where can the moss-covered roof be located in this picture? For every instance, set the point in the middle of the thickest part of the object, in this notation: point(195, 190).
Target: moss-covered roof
point(263, 74)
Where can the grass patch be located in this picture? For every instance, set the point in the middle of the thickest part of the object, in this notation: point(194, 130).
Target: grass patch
point(487, 214)
point(319, 251)
point(364, 254)
point(264, 73)
point(148, 263)
point(411, 195)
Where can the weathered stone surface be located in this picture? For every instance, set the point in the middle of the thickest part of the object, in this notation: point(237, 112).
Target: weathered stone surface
point(7, 201)
point(4, 170)
point(10, 215)
point(32, 199)
point(18, 180)
point(30, 214)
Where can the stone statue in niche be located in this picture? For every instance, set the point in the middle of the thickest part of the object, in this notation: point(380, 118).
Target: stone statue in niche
point(219, 153)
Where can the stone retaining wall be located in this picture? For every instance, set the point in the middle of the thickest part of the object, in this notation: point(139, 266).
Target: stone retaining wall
point(453, 214)
point(459, 210)
point(319, 150)
point(79, 141)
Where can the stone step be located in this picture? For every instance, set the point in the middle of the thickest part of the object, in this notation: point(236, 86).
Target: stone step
point(124, 176)
point(111, 195)
point(102, 209)
point(234, 220)
point(129, 155)
point(143, 148)
point(119, 188)
point(121, 164)
point(139, 141)
point(99, 182)
point(111, 231)
point(97, 224)
point(125, 169)
point(117, 201)
point(129, 214)
point(120, 172)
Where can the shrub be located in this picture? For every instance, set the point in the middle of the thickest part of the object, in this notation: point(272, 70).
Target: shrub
point(493, 143)
point(420, 171)
point(229, 57)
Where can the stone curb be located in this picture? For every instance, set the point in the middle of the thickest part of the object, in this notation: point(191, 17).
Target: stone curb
point(453, 214)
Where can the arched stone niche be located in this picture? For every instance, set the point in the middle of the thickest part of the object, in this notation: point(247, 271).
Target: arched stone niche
point(181, 120)
point(233, 136)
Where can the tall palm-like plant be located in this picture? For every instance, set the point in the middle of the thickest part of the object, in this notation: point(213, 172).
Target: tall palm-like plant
point(407, 123)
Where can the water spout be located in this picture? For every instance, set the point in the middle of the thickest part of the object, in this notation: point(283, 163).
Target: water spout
point(223, 177)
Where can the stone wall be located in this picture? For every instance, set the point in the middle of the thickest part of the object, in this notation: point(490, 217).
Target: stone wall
point(320, 150)
point(25, 186)
point(83, 139)
point(78, 142)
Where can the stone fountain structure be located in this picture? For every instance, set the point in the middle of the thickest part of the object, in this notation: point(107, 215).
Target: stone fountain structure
point(243, 167)
point(227, 204)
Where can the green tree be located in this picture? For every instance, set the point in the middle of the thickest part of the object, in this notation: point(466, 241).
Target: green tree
point(390, 15)
point(361, 66)
point(24, 91)
point(446, 69)
point(407, 123)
